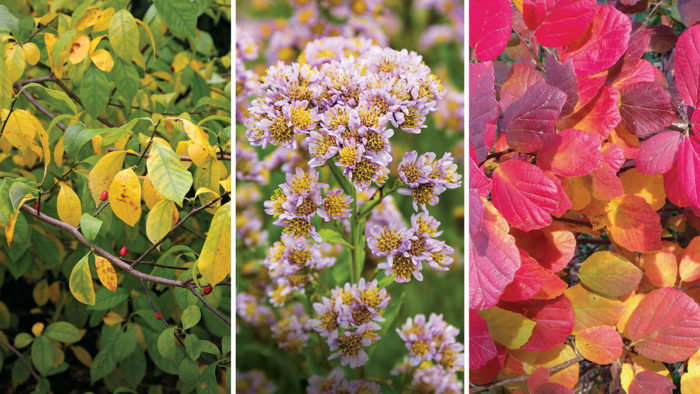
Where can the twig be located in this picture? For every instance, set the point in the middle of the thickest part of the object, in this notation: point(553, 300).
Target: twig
point(496, 155)
point(42, 109)
point(208, 305)
point(153, 305)
point(227, 154)
point(39, 30)
point(21, 358)
point(178, 224)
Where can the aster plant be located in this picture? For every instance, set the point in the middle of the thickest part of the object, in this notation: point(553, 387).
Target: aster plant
point(335, 125)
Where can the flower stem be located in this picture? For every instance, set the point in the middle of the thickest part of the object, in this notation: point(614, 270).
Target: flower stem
point(354, 222)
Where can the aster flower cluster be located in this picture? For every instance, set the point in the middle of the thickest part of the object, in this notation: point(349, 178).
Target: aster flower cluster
point(427, 178)
point(291, 332)
point(345, 108)
point(251, 311)
point(297, 201)
point(335, 383)
point(451, 31)
point(349, 320)
point(406, 249)
point(246, 80)
point(433, 347)
point(253, 382)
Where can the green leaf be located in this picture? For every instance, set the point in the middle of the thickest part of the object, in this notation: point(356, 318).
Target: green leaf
point(207, 383)
point(5, 84)
point(166, 343)
point(75, 137)
point(190, 317)
point(168, 175)
point(188, 370)
point(193, 346)
point(209, 347)
point(178, 15)
point(134, 367)
point(23, 340)
point(80, 282)
point(94, 91)
point(18, 192)
point(59, 97)
point(126, 79)
point(124, 35)
point(5, 202)
point(90, 226)
point(102, 365)
point(42, 354)
point(107, 299)
point(160, 220)
point(8, 22)
point(332, 236)
point(63, 332)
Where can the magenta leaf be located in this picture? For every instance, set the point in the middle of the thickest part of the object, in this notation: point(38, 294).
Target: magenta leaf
point(481, 346)
point(658, 153)
point(645, 108)
point(558, 22)
point(483, 107)
point(689, 167)
point(686, 65)
point(489, 27)
point(570, 153)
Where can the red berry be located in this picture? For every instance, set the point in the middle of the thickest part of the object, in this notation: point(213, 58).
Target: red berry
point(122, 251)
point(36, 206)
point(158, 315)
point(207, 290)
point(172, 69)
point(104, 195)
point(14, 92)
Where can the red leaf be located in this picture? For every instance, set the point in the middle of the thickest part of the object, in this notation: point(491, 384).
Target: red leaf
point(562, 76)
point(555, 321)
point(613, 156)
point(599, 117)
point(524, 195)
point(520, 77)
point(588, 87)
point(673, 185)
point(530, 121)
point(658, 153)
point(489, 27)
point(493, 258)
point(689, 167)
point(558, 22)
point(551, 247)
point(491, 369)
point(665, 326)
point(663, 38)
point(570, 153)
point(603, 44)
point(645, 108)
point(481, 346)
point(686, 64)
point(639, 71)
point(478, 180)
point(537, 378)
point(646, 382)
point(606, 185)
point(553, 388)
point(599, 344)
point(564, 202)
point(483, 107)
point(528, 280)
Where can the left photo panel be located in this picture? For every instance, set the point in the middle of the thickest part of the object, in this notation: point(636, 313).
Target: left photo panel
point(115, 196)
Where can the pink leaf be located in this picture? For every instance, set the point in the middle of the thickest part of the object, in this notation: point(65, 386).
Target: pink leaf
point(673, 185)
point(481, 346)
point(558, 22)
point(649, 382)
point(483, 107)
point(562, 76)
point(603, 44)
point(570, 153)
point(658, 153)
point(524, 194)
point(686, 64)
point(645, 108)
point(689, 167)
point(530, 121)
point(489, 27)
point(520, 77)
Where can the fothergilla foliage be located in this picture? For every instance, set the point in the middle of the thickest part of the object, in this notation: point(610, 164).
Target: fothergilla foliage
point(584, 195)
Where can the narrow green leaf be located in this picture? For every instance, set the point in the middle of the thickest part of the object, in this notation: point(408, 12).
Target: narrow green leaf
point(80, 282)
point(332, 236)
point(94, 91)
point(168, 175)
point(178, 15)
point(124, 35)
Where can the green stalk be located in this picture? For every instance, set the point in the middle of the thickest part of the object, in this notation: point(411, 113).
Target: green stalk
point(354, 221)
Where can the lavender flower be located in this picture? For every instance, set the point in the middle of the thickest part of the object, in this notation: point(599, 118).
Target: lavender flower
point(349, 347)
point(327, 385)
point(335, 206)
point(253, 382)
point(290, 332)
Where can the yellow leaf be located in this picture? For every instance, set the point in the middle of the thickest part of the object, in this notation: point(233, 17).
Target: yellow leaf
point(37, 328)
point(31, 53)
point(79, 49)
point(159, 220)
point(150, 194)
point(102, 22)
point(226, 183)
point(15, 61)
point(49, 40)
point(196, 134)
point(82, 355)
point(215, 259)
point(45, 19)
point(112, 318)
point(649, 187)
point(58, 152)
point(125, 196)
point(80, 282)
point(183, 150)
point(105, 272)
point(150, 34)
point(639, 364)
point(68, 205)
point(690, 382)
point(89, 18)
point(101, 175)
point(510, 329)
point(103, 60)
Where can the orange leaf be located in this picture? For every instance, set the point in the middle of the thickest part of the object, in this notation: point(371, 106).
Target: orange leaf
point(600, 344)
point(661, 267)
point(689, 267)
point(649, 187)
point(633, 224)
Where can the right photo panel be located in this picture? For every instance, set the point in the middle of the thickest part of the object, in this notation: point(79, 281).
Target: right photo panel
point(584, 196)
point(350, 210)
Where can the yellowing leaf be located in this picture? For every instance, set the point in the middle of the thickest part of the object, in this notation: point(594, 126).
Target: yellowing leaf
point(49, 40)
point(125, 196)
point(79, 49)
point(510, 329)
point(68, 205)
point(196, 135)
point(103, 21)
point(214, 262)
point(559, 355)
point(80, 282)
point(14, 61)
point(689, 266)
point(649, 187)
point(37, 328)
point(639, 364)
point(103, 60)
point(31, 53)
point(82, 355)
point(88, 19)
point(690, 382)
point(101, 175)
point(633, 224)
point(609, 274)
point(105, 272)
point(124, 35)
point(150, 194)
point(159, 220)
point(592, 309)
point(58, 152)
point(112, 318)
point(630, 305)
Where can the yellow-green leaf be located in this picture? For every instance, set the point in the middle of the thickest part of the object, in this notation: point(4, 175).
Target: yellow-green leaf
point(15, 61)
point(125, 196)
point(609, 274)
point(167, 174)
point(68, 205)
point(215, 260)
point(103, 172)
point(510, 329)
point(105, 272)
point(80, 282)
point(160, 220)
point(124, 35)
